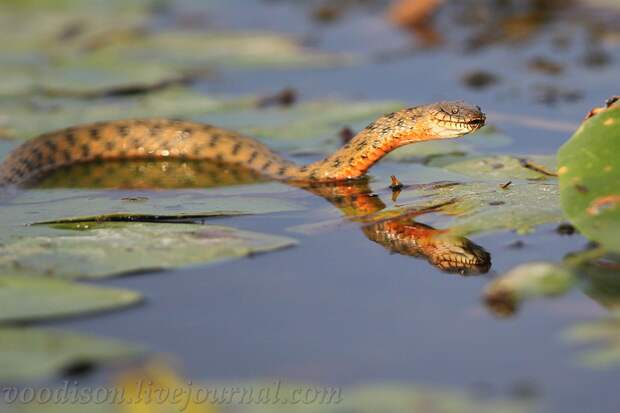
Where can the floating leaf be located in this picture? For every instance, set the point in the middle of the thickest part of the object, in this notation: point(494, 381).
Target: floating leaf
point(34, 206)
point(115, 248)
point(467, 206)
point(476, 206)
point(185, 49)
point(505, 294)
point(88, 48)
point(437, 153)
point(32, 354)
point(501, 167)
point(37, 298)
point(590, 178)
point(23, 118)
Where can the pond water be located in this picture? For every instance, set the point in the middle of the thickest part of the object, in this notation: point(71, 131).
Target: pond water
point(341, 309)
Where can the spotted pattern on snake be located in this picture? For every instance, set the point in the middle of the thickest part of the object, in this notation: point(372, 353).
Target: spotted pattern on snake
point(175, 139)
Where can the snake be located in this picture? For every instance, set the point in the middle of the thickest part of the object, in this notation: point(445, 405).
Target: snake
point(156, 138)
point(99, 152)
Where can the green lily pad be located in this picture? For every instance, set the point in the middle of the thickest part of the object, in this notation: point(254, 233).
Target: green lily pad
point(73, 251)
point(23, 118)
point(438, 153)
point(501, 167)
point(33, 354)
point(505, 294)
point(590, 178)
point(34, 206)
point(185, 49)
point(502, 201)
point(93, 47)
point(38, 298)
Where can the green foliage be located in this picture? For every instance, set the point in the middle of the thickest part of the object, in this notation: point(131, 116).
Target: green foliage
point(590, 178)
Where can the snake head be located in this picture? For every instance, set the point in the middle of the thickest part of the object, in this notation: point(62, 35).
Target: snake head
point(453, 119)
point(458, 255)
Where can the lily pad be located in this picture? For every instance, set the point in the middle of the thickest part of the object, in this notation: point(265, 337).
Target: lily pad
point(505, 294)
point(71, 251)
point(501, 167)
point(33, 206)
point(437, 153)
point(32, 354)
point(23, 118)
point(87, 48)
point(501, 201)
point(38, 298)
point(463, 204)
point(590, 178)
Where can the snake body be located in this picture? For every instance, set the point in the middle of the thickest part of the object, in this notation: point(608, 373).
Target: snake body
point(131, 149)
point(159, 139)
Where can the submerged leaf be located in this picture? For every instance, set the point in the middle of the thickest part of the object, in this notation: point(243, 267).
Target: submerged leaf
point(38, 298)
point(32, 354)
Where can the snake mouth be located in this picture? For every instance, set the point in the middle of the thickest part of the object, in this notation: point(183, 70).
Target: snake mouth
point(478, 122)
point(461, 125)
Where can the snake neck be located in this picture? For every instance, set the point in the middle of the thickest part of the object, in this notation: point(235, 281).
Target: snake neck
point(370, 145)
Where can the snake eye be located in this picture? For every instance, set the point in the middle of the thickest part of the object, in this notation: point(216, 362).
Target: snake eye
point(455, 111)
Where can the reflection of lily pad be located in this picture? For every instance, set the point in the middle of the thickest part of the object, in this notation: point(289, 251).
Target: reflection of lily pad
point(35, 298)
point(29, 354)
point(115, 248)
point(590, 178)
